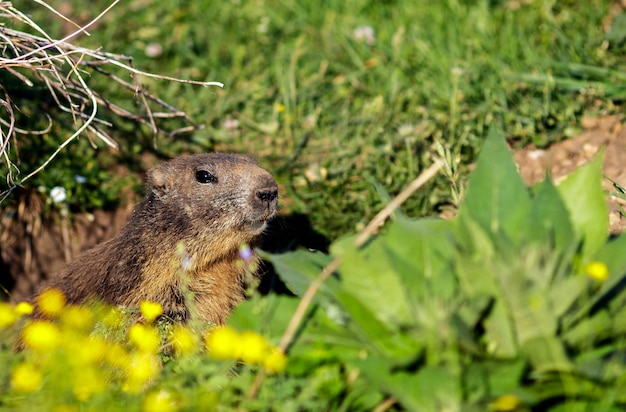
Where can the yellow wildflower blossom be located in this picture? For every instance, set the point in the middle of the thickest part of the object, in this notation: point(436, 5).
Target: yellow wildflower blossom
point(87, 382)
point(254, 348)
point(223, 343)
point(145, 338)
point(24, 308)
point(116, 355)
point(183, 340)
point(275, 362)
point(150, 310)
point(8, 315)
point(142, 368)
point(505, 403)
point(41, 336)
point(160, 401)
point(51, 302)
point(597, 271)
point(78, 317)
point(26, 378)
point(88, 350)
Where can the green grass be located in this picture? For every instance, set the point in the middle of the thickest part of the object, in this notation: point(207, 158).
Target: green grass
point(354, 112)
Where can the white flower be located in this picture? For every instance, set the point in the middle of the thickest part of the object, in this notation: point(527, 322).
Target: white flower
point(58, 194)
point(230, 124)
point(365, 34)
point(154, 50)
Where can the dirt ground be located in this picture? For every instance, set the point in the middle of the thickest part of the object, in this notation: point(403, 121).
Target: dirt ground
point(31, 250)
point(563, 158)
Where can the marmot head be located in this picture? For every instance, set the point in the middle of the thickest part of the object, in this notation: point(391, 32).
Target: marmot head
point(225, 198)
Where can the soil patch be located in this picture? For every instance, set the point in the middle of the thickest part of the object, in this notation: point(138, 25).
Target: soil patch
point(563, 158)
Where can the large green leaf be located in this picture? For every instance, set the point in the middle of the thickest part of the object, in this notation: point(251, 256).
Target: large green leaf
point(298, 269)
point(420, 251)
point(431, 388)
point(549, 224)
point(268, 315)
point(583, 196)
point(371, 277)
point(547, 354)
point(382, 337)
point(496, 195)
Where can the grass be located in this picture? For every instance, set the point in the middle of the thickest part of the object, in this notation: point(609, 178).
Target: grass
point(330, 113)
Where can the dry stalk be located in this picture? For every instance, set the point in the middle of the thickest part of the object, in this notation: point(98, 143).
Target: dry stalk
point(60, 68)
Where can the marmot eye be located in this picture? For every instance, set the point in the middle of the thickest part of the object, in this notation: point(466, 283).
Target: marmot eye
point(203, 176)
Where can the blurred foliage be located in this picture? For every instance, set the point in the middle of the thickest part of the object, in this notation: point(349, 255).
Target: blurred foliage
point(515, 304)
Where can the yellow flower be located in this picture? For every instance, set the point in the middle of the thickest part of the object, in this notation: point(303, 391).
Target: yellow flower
point(254, 348)
point(8, 315)
point(145, 338)
point(160, 401)
point(223, 343)
point(150, 310)
point(88, 351)
point(51, 302)
point(86, 383)
point(78, 317)
point(26, 378)
point(505, 403)
point(183, 340)
point(41, 336)
point(597, 271)
point(24, 308)
point(116, 355)
point(141, 369)
point(275, 362)
point(280, 108)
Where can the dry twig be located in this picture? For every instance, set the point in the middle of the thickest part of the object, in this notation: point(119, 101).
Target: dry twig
point(60, 68)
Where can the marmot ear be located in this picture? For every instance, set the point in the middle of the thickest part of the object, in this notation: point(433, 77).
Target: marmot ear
point(245, 158)
point(157, 181)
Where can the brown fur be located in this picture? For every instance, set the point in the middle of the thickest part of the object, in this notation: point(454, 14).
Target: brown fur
point(210, 220)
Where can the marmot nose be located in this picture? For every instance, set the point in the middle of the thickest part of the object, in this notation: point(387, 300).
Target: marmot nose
point(267, 195)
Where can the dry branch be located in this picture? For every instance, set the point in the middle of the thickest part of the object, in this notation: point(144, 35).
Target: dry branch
point(36, 61)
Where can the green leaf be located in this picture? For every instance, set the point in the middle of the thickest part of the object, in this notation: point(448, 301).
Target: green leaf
point(529, 307)
point(370, 276)
point(297, 269)
point(431, 388)
point(268, 315)
point(490, 378)
point(420, 251)
point(384, 339)
point(564, 293)
point(547, 354)
point(496, 195)
point(549, 223)
point(590, 330)
point(583, 196)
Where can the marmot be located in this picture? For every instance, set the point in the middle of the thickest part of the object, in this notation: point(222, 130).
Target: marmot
point(186, 234)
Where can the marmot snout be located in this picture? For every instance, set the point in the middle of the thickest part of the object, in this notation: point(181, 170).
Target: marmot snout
point(206, 205)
